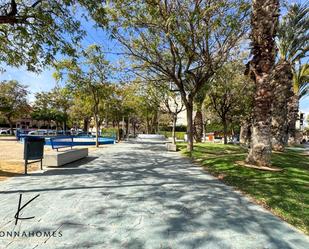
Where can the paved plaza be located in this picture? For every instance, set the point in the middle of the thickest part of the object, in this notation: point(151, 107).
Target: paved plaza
point(136, 196)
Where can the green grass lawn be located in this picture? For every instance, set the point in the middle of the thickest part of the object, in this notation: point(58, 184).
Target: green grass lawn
point(178, 134)
point(285, 193)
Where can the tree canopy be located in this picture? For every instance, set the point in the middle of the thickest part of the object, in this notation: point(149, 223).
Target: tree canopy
point(186, 49)
point(32, 33)
point(13, 100)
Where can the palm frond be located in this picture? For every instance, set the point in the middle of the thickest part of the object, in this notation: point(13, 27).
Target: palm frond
point(293, 36)
point(301, 80)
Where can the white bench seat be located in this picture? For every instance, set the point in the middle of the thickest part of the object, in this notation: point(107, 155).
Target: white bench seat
point(56, 159)
point(151, 137)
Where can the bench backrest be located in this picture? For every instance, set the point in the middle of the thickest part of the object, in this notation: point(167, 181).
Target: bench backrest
point(61, 142)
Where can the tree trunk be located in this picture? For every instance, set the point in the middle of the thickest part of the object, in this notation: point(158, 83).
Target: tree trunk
point(198, 126)
point(204, 130)
point(282, 83)
point(245, 133)
point(154, 128)
point(122, 127)
point(127, 128)
point(65, 125)
point(260, 148)
point(293, 109)
point(189, 108)
point(224, 122)
point(264, 26)
point(106, 119)
point(11, 125)
point(134, 129)
point(118, 131)
point(63, 130)
point(174, 128)
point(147, 124)
point(86, 124)
point(97, 130)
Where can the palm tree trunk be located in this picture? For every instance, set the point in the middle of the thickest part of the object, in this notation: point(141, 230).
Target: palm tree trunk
point(293, 109)
point(264, 24)
point(282, 83)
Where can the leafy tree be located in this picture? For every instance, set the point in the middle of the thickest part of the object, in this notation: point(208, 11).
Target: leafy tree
point(185, 48)
point(230, 95)
point(13, 100)
point(131, 102)
point(89, 77)
point(32, 33)
point(115, 110)
point(149, 99)
point(42, 108)
point(174, 106)
point(198, 119)
point(264, 22)
point(80, 110)
point(293, 47)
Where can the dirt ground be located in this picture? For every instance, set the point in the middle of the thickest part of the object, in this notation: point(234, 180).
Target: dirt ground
point(11, 158)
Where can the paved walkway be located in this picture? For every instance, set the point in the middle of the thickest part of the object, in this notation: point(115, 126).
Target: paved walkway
point(137, 196)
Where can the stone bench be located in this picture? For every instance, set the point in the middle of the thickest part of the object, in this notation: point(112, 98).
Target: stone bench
point(59, 158)
point(171, 147)
point(156, 137)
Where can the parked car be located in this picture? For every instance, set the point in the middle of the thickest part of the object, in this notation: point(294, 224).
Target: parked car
point(38, 132)
point(84, 134)
point(218, 139)
point(63, 133)
point(4, 131)
point(33, 133)
point(51, 133)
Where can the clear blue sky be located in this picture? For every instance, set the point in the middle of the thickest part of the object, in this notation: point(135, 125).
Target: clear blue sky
point(44, 81)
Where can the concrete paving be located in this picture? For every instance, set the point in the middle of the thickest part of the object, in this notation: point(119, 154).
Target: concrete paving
point(138, 196)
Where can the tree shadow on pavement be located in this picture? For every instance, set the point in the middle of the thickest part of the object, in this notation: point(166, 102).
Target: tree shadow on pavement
point(151, 198)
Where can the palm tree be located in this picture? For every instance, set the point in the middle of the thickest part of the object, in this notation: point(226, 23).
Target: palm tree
point(264, 22)
point(292, 45)
point(301, 81)
point(282, 83)
point(300, 90)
